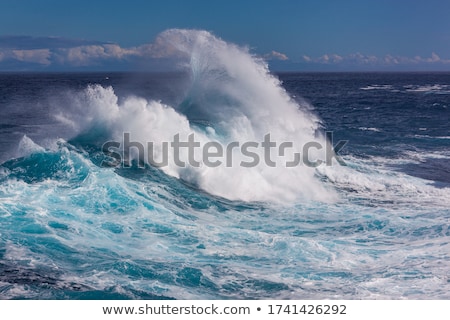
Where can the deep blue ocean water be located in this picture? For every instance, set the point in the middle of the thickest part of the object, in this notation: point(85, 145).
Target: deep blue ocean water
point(377, 228)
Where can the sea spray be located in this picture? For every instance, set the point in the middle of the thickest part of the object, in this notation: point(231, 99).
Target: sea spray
point(232, 98)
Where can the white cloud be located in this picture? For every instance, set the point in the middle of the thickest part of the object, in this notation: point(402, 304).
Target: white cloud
point(327, 58)
point(434, 58)
point(87, 55)
point(323, 59)
point(162, 47)
point(275, 55)
point(336, 58)
point(306, 58)
point(39, 56)
point(388, 59)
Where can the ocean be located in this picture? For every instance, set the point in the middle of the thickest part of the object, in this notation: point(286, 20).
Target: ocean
point(83, 220)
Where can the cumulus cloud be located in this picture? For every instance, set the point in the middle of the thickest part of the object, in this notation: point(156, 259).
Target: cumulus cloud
point(275, 55)
point(39, 56)
point(434, 58)
point(86, 55)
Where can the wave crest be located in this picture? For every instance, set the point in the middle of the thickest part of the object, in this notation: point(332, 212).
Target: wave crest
point(232, 97)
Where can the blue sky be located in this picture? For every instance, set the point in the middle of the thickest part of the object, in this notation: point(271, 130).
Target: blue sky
point(333, 35)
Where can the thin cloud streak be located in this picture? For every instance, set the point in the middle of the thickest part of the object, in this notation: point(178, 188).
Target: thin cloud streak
point(372, 60)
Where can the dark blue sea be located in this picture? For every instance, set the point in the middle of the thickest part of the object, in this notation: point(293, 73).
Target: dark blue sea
point(374, 225)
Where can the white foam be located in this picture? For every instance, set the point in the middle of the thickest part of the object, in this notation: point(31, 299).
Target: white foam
point(377, 87)
point(374, 180)
point(369, 129)
point(430, 88)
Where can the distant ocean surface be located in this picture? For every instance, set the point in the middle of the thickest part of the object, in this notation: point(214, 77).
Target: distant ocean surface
point(376, 228)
